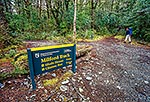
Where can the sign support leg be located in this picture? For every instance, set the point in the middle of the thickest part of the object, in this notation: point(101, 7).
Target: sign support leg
point(74, 59)
point(31, 69)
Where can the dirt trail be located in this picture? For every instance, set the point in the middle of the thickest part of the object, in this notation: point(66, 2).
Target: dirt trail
point(112, 72)
point(121, 72)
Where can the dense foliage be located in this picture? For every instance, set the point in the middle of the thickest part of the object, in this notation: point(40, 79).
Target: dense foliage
point(46, 19)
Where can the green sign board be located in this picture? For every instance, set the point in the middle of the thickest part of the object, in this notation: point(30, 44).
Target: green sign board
point(45, 59)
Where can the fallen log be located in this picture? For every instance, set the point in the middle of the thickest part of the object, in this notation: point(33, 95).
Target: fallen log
point(83, 50)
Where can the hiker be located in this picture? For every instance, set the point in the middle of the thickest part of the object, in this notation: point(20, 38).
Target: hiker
point(128, 34)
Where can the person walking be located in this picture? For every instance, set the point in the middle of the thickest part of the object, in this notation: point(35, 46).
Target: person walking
point(128, 35)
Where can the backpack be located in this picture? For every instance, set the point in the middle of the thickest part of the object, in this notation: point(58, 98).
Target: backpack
point(130, 30)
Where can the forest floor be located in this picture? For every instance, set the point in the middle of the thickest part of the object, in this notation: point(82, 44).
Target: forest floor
point(112, 72)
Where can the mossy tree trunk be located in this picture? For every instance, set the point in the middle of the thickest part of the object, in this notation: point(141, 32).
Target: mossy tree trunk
point(5, 39)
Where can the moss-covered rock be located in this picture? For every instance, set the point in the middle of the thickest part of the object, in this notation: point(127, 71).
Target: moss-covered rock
point(22, 62)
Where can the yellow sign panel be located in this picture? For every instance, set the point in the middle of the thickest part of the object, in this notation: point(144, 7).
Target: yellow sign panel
point(51, 47)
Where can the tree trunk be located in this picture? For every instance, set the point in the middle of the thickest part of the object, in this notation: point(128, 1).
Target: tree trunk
point(55, 14)
point(40, 8)
point(27, 4)
point(74, 21)
point(112, 4)
point(67, 4)
point(3, 22)
point(92, 14)
point(47, 6)
point(93, 7)
point(6, 6)
point(18, 4)
point(4, 37)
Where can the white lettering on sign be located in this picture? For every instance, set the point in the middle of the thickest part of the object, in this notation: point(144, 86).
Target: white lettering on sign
point(48, 53)
point(67, 50)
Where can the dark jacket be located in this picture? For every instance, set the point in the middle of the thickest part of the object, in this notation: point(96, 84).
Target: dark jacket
point(127, 32)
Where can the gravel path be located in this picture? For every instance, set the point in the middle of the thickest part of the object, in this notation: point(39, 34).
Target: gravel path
point(112, 72)
point(120, 72)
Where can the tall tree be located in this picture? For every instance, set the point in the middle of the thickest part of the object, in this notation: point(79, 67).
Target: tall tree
point(27, 8)
point(74, 21)
point(40, 9)
point(5, 39)
point(93, 7)
point(47, 8)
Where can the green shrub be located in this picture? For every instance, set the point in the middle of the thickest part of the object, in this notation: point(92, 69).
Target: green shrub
point(12, 52)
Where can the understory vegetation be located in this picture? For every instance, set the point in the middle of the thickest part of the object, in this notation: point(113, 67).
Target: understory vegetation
point(47, 19)
point(23, 20)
